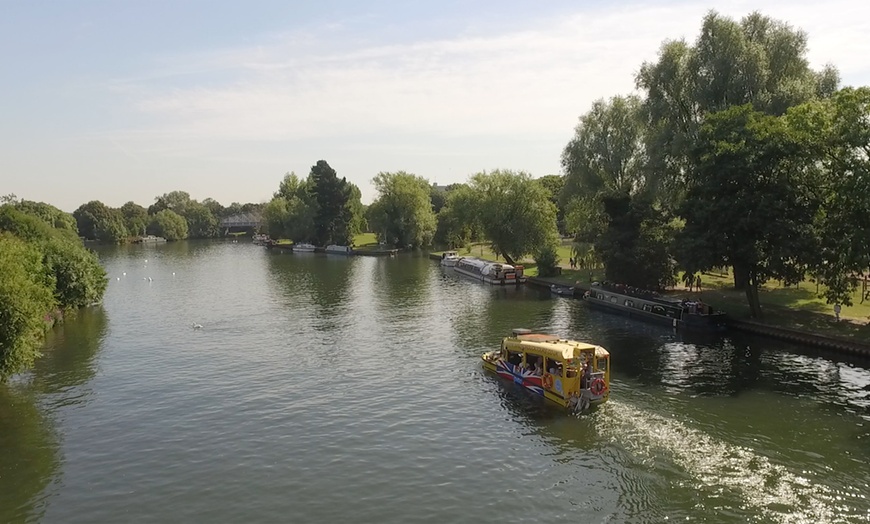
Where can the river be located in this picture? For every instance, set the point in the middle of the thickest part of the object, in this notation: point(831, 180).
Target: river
point(331, 389)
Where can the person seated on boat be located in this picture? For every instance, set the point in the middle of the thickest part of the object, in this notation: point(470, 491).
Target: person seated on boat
point(539, 367)
point(584, 379)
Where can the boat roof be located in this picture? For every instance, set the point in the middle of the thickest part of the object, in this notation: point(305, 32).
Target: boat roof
point(553, 347)
point(481, 263)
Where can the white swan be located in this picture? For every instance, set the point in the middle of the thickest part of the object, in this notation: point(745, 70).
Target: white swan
point(197, 326)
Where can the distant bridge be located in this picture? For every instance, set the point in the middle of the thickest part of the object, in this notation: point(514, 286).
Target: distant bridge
point(242, 221)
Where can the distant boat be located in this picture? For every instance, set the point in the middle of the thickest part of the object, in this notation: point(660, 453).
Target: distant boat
point(449, 258)
point(303, 247)
point(149, 239)
point(334, 249)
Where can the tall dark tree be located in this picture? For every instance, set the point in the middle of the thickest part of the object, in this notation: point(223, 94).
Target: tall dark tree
point(333, 216)
point(635, 243)
point(751, 201)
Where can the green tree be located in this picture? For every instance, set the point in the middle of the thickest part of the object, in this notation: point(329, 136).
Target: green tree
point(176, 201)
point(333, 213)
point(169, 225)
point(135, 218)
point(290, 186)
point(459, 219)
point(52, 215)
point(635, 243)
point(49, 262)
point(201, 223)
point(25, 299)
point(547, 260)
point(437, 197)
point(299, 225)
point(233, 209)
point(607, 152)
point(837, 131)
point(763, 229)
point(554, 184)
point(515, 212)
point(759, 61)
point(402, 215)
point(79, 278)
point(275, 217)
point(96, 221)
point(217, 210)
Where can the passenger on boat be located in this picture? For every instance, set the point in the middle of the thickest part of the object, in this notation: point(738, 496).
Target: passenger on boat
point(587, 375)
point(539, 366)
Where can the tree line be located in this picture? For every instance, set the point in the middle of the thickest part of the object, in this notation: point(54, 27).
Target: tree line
point(515, 213)
point(173, 216)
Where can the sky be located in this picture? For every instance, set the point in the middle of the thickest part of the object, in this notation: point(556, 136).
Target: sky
point(127, 100)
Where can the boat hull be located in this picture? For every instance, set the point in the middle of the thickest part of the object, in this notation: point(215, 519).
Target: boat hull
point(530, 382)
point(708, 323)
point(488, 279)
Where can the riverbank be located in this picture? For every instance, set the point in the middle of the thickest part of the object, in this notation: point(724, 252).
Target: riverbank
point(809, 324)
point(790, 325)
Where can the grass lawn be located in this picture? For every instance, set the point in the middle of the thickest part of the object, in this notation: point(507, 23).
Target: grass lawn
point(365, 239)
point(796, 306)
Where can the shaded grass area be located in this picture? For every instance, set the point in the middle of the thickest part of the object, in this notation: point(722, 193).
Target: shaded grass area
point(365, 239)
point(796, 307)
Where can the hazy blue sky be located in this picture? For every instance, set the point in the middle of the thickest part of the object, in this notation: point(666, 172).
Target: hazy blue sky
point(119, 100)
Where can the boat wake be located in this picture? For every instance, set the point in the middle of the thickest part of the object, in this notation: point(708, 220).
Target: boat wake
point(769, 491)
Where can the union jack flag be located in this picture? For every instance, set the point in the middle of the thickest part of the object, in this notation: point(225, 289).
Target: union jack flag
point(523, 377)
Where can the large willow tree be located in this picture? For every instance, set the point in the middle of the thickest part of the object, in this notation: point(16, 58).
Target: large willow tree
point(515, 213)
point(758, 61)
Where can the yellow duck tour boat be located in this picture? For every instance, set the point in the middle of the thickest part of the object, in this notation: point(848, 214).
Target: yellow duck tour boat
point(573, 374)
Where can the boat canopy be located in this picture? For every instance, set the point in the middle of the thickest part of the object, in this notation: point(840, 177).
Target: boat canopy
point(552, 347)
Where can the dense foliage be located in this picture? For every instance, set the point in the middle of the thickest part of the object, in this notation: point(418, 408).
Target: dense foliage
point(43, 267)
point(168, 224)
point(402, 215)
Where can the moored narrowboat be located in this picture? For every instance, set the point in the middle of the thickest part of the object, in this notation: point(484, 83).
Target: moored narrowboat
point(572, 374)
point(646, 305)
point(490, 272)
